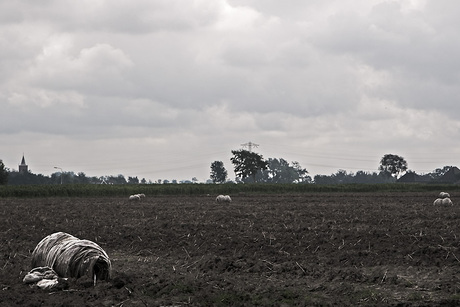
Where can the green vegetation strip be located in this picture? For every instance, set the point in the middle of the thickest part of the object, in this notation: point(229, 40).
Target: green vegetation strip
point(92, 190)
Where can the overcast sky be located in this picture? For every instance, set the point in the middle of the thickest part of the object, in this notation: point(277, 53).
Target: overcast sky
point(160, 89)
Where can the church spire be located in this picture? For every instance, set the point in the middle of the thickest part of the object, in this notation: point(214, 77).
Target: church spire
point(23, 168)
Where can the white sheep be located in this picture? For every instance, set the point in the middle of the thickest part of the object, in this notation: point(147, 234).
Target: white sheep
point(223, 199)
point(447, 202)
point(443, 201)
point(134, 197)
point(444, 195)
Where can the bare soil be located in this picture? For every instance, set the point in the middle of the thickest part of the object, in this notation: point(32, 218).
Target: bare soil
point(339, 249)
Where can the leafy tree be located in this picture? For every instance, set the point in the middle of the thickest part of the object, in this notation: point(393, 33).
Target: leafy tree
point(322, 179)
point(392, 165)
point(301, 172)
point(365, 177)
point(343, 177)
point(218, 172)
point(439, 172)
point(133, 180)
point(361, 177)
point(81, 178)
point(63, 177)
point(56, 178)
point(25, 178)
point(247, 163)
point(340, 177)
point(120, 179)
point(280, 171)
point(3, 173)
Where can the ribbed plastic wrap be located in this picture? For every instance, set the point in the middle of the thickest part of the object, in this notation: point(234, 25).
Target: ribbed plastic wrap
point(69, 256)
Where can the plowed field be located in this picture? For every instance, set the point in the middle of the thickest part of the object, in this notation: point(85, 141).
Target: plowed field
point(341, 249)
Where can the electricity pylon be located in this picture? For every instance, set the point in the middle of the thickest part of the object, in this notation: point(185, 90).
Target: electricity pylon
point(250, 145)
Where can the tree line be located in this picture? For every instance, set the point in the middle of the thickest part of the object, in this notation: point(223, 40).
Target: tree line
point(252, 167)
point(249, 167)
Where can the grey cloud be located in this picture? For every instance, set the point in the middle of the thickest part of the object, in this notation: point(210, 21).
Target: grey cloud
point(95, 69)
point(112, 16)
point(408, 45)
point(331, 76)
point(295, 11)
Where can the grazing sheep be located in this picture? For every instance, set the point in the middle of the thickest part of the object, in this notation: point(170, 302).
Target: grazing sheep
point(69, 256)
point(444, 195)
point(223, 199)
point(137, 196)
point(134, 197)
point(443, 201)
point(447, 202)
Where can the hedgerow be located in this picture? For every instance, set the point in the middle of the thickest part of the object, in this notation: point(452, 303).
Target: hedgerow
point(95, 190)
